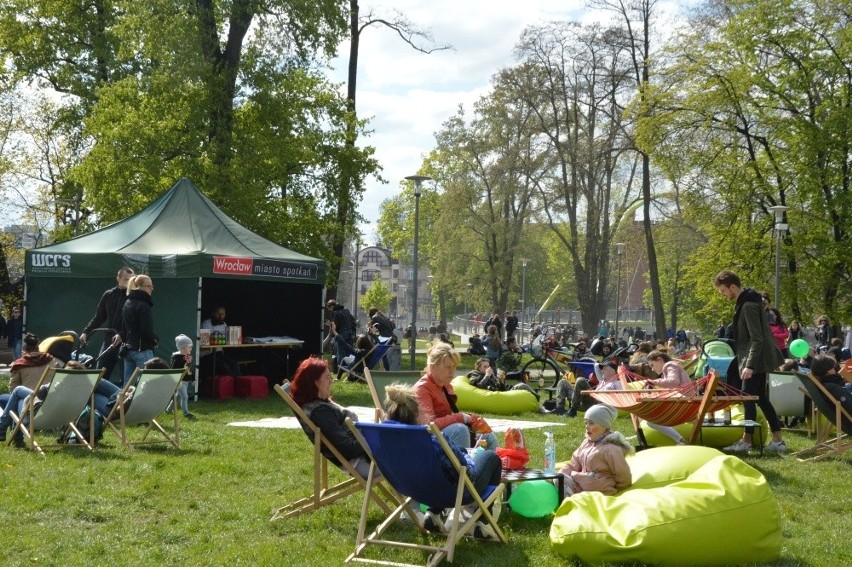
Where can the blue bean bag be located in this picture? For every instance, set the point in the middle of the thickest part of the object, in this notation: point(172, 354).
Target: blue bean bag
point(471, 398)
point(687, 506)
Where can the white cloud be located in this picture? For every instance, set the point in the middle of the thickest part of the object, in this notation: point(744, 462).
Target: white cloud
point(407, 95)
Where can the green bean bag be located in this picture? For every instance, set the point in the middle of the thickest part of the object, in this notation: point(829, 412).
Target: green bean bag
point(722, 513)
point(471, 398)
point(718, 437)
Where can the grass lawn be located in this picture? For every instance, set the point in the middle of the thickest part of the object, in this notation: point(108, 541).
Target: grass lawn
point(210, 502)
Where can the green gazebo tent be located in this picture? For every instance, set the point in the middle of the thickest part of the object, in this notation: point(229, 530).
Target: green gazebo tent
point(198, 258)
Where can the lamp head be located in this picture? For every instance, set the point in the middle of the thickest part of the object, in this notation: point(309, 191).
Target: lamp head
point(418, 180)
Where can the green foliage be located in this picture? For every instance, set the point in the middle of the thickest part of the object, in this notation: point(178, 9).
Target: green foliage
point(760, 117)
point(377, 296)
point(167, 89)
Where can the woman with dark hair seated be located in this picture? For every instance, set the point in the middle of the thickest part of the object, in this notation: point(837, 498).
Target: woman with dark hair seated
point(311, 390)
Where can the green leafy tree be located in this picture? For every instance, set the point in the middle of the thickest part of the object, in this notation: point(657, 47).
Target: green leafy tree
point(760, 117)
point(573, 78)
point(378, 296)
point(227, 93)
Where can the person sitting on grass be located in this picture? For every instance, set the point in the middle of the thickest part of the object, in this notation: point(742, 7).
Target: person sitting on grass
point(483, 467)
point(599, 464)
point(311, 390)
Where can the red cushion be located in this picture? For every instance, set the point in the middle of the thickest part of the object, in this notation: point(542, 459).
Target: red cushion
point(223, 387)
point(252, 387)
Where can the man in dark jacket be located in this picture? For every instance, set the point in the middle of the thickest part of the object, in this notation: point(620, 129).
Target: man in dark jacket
point(344, 325)
point(108, 315)
point(756, 355)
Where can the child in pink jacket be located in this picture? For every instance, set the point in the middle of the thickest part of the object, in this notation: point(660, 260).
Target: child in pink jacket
point(599, 463)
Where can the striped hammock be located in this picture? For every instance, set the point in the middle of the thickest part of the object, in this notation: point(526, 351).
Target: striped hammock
point(671, 406)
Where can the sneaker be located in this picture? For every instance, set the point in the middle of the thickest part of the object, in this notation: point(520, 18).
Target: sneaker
point(776, 447)
point(496, 508)
point(738, 447)
point(464, 515)
point(432, 522)
point(483, 530)
point(190, 417)
point(559, 410)
point(571, 413)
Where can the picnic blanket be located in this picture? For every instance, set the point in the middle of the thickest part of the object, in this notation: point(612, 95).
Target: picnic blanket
point(368, 414)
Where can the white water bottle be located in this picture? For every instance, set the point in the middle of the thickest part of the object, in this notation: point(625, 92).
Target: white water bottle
point(549, 453)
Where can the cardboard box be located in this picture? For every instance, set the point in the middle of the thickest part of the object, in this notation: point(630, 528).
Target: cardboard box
point(235, 335)
point(204, 337)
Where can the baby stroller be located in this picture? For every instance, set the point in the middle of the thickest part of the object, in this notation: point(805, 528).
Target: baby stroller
point(716, 354)
point(62, 346)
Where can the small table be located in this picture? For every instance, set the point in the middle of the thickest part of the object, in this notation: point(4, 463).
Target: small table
point(522, 475)
point(550, 391)
point(742, 423)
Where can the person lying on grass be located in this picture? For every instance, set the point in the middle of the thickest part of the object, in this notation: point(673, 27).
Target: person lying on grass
point(599, 463)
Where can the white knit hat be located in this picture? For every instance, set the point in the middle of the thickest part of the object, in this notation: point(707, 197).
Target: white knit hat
point(601, 414)
point(182, 340)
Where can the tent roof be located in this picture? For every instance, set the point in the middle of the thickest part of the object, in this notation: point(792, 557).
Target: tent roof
point(183, 221)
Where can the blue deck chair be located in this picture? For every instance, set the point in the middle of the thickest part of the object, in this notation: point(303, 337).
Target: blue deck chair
point(405, 456)
point(70, 391)
point(368, 361)
point(825, 404)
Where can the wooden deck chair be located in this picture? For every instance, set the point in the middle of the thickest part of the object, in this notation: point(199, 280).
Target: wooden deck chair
point(149, 392)
point(369, 360)
point(323, 494)
point(70, 391)
point(406, 458)
point(826, 445)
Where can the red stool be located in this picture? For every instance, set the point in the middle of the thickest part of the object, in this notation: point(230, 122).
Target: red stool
point(252, 387)
point(223, 387)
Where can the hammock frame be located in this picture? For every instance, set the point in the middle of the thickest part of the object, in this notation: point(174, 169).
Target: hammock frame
point(673, 406)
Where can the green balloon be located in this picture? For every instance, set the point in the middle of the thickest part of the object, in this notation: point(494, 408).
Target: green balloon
point(534, 498)
point(799, 348)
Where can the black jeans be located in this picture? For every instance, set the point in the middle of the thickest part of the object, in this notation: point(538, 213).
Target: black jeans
point(757, 386)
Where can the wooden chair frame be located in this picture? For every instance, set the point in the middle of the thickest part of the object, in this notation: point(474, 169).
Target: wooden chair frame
point(152, 389)
point(323, 494)
point(825, 406)
point(459, 529)
point(60, 409)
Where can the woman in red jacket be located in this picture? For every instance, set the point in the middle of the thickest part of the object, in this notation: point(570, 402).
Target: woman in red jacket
point(779, 331)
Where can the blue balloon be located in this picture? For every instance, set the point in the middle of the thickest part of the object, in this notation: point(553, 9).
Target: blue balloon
point(534, 498)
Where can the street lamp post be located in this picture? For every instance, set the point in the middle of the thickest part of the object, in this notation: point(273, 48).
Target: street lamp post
point(418, 180)
point(780, 228)
point(619, 251)
point(524, 262)
point(466, 318)
point(355, 279)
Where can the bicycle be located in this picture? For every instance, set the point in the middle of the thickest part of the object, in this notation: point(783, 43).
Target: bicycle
point(549, 358)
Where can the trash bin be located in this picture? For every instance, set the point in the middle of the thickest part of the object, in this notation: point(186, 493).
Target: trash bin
point(395, 357)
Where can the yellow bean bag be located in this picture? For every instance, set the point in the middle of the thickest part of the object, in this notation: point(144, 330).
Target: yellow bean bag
point(722, 513)
point(471, 398)
point(718, 437)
